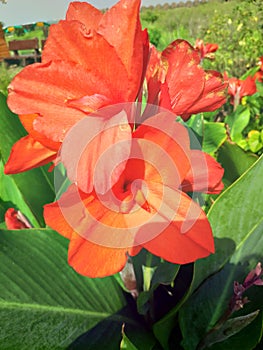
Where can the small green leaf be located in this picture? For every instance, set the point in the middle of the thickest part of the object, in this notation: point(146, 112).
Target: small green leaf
point(254, 141)
point(126, 344)
point(196, 123)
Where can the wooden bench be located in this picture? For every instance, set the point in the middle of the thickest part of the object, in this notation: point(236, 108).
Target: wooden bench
point(23, 52)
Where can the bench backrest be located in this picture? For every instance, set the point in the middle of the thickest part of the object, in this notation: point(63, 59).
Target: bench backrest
point(28, 44)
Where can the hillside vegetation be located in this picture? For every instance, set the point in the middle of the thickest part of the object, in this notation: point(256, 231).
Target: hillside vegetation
point(235, 25)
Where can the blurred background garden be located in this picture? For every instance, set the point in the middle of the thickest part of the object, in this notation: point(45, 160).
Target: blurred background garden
point(236, 26)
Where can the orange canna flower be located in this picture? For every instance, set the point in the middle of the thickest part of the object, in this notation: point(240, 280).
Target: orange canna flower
point(205, 50)
point(90, 60)
point(145, 208)
point(176, 81)
point(238, 88)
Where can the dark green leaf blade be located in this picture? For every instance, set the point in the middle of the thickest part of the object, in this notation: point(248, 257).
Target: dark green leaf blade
point(233, 217)
point(44, 304)
point(236, 216)
point(234, 160)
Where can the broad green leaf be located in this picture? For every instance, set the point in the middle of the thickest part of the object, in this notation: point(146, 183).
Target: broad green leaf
point(11, 129)
point(236, 216)
point(209, 303)
point(45, 304)
point(28, 191)
point(107, 334)
point(234, 160)
point(214, 136)
point(238, 211)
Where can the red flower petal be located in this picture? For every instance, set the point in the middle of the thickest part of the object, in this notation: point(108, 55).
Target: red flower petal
point(27, 153)
point(248, 87)
point(165, 143)
point(213, 95)
point(84, 13)
point(14, 220)
point(121, 27)
point(205, 174)
point(242, 87)
point(93, 52)
point(46, 89)
point(94, 260)
point(184, 235)
point(98, 235)
point(185, 78)
point(28, 120)
point(94, 147)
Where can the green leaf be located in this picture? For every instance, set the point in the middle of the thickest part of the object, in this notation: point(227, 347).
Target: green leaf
point(28, 191)
point(234, 160)
point(254, 141)
point(107, 334)
point(45, 304)
point(236, 216)
point(233, 216)
point(228, 329)
point(11, 129)
point(196, 123)
point(3, 208)
point(238, 211)
point(126, 344)
point(248, 337)
point(214, 136)
point(237, 122)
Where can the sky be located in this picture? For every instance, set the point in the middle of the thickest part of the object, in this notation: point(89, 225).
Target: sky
point(17, 12)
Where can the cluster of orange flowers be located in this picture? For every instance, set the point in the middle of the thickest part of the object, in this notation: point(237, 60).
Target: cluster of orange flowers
point(104, 102)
